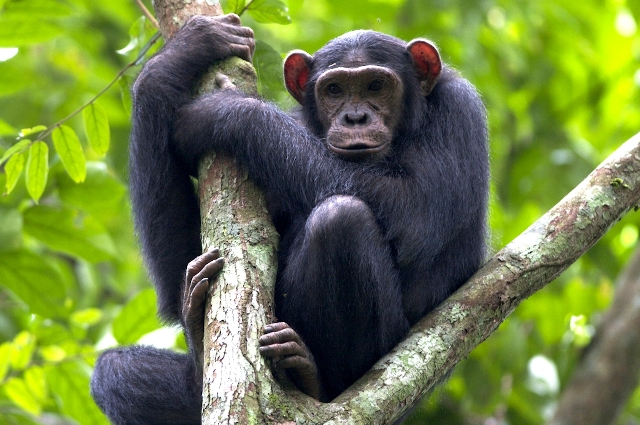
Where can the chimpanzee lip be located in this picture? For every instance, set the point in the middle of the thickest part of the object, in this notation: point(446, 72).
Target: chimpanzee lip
point(359, 149)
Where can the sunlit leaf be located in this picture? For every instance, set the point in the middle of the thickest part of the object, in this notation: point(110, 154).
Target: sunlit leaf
point(270, 11)
point(32, 130)
point(19, 393)
point(29, 276)
point(96, 125)
point(70, 151)
point(87, 317)
point(5, 359)
point(137, 318)
point(22, 350)
point(18, 147)
point(53, 353)
point(37, 169)
point(63, 229)
point(34, 377)
point(70, 382)
point(13, 169)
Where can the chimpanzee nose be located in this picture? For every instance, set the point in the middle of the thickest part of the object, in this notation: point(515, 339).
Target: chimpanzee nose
point(353, 118)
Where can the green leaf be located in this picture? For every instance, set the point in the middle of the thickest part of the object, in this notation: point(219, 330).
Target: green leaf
point(270, 11)
point(29, 131)
point(10, 229)
point(36, 282)
point(87, 317)
point(13, 169)
point(63, 229)
point(5, 359)
point(18, 147)
point(69, 148)
point(34, 377)
point(18, 392)
point(22, 350)
point(101, 193)
point(268, 64)
point(137, 318)
point(69, 381)
point(16, 32)
point(96, 125)
point(235, 6)
point(37, 169)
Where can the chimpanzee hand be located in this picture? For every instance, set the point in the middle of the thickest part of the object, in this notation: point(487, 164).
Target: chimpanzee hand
point(289, 352)
point(199, 274)
point(212, 38)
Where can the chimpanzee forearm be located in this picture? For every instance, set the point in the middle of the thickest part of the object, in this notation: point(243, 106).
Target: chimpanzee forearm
point(280, 155)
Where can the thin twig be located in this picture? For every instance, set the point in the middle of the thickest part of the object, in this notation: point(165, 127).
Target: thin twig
point(245, 8)
point(148, 14)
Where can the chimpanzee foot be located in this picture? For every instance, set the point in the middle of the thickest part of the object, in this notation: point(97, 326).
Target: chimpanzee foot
point(199, 274)
point(282, 344)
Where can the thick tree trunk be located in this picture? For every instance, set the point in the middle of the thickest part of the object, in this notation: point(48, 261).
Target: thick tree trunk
point(609, 370)
point(238, 385)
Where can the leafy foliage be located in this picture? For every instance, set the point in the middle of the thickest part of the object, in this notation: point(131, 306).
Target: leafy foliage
point(561, 83)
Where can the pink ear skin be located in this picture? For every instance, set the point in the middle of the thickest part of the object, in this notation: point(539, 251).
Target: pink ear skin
point(426, 60)
point(296, 73)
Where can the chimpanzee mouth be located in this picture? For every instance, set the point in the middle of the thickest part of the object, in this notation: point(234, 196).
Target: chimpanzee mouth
point(358, 149)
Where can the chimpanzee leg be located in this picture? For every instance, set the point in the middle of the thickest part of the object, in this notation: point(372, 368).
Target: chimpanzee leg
point(147, 386)
point(340, 291)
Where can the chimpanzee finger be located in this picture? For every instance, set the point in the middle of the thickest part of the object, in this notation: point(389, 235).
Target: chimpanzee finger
point(274, 327)
point(280, 337)
point(210, 270)
point(243, 49)
point(230, 18)
point(196, 265)
point(290, 348)
point(199, 292)
point(294, 362)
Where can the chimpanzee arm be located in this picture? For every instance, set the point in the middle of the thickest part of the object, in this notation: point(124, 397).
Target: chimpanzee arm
point(165, 207)
point(282, 156)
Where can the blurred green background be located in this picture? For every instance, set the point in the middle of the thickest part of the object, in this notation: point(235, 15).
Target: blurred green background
point(561, 83)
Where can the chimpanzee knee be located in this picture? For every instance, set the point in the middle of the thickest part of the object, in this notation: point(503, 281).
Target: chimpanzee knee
point(342, 217)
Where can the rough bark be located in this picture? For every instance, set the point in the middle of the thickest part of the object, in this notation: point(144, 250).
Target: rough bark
point(239, 387)
point(236, 382)
point(609, 370)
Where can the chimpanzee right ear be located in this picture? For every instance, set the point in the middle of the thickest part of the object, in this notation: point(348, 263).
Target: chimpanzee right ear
point(296, 73)
point(427, 63)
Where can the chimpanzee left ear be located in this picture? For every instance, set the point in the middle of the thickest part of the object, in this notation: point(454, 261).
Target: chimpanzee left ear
point(296, 73)
point(426, 60)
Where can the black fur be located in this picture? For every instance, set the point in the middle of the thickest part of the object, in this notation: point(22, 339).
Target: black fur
point(367, 249)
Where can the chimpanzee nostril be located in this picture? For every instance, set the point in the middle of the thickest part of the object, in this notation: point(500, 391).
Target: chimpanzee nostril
point(355, 118)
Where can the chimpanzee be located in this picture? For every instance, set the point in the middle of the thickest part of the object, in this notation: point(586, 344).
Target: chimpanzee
point(377, 186)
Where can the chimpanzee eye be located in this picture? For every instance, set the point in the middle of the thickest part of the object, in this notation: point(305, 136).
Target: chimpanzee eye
point(376, 85)
point(334, 89)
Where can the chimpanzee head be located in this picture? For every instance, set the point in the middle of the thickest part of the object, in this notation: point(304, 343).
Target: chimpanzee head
point(357, 90)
